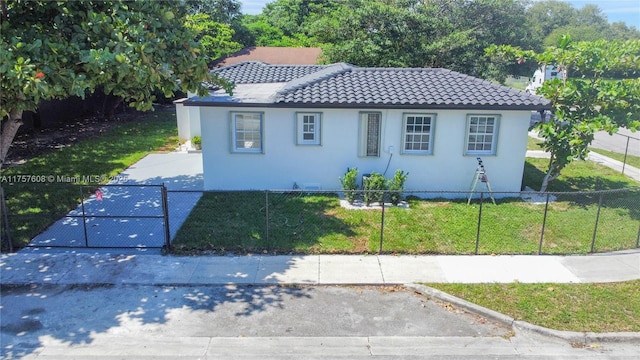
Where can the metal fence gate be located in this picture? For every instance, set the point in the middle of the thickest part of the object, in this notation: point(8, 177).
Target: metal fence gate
point(104, 216)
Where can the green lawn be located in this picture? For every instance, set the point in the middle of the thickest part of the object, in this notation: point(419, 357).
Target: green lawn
point(316, 223)
point(34, 206)
point(534, 144)
point(607, 307)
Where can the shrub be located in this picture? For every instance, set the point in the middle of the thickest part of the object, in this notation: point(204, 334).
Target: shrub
point(374, 186)
point(350, 184)
point(396, 185)
point(196, 141)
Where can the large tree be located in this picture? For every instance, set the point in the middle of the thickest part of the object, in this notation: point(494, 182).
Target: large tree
point(215, 38)
point(56, 49)
point(418, 33)
point(600, 92)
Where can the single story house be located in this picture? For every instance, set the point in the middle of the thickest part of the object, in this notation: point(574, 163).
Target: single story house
point(305, 125)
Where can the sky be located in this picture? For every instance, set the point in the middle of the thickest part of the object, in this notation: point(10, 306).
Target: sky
point(627, 11)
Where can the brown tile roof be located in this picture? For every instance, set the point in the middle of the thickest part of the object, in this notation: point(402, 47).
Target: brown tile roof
point(272, 55)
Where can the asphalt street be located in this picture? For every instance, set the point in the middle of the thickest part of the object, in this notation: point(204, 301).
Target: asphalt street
point(261, 322)
point(623, 141)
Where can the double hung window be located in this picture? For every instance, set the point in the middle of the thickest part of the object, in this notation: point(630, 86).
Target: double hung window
point(247, 132)
point(417, 133)
point(482, 134)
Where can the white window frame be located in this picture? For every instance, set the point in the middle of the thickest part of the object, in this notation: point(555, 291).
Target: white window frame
point(417, 134)
point(235, 132)
point(365, 131)
point(480, 132)
point(302, 129)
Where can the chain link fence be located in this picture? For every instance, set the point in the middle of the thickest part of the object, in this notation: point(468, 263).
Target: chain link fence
point(304, 221)
point(425, 222)
point(90, 216)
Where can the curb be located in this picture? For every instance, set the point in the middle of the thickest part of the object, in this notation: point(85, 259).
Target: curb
point(569, 336)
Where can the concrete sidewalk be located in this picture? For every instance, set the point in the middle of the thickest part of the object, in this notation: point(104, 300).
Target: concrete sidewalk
point(41, 266)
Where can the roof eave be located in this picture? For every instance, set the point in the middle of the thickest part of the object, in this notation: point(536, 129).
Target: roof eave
point(523, 107)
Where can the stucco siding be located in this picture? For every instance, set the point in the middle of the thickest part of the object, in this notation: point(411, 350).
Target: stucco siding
point(283, 163)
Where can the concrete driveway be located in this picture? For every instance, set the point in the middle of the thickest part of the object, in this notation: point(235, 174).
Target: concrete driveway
point(133, 203)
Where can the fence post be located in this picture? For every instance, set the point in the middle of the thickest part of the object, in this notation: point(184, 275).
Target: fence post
point(595, 228)
point(84, 219)
point(5, 230)
point(626, 150)
point(638, 238)
point(165, 215)
point(266, 206)
point(544, 224)
point(479, 221)
point(381, 226)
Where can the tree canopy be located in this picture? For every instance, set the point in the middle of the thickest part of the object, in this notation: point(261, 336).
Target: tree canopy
point(56, 49)
point(601, 92)
point(436, 33)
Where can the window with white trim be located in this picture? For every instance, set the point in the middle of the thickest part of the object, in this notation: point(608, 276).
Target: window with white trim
point(370, 125)
point(482, 134)
point(417, 133)
point(308, 128)
point(246, 132)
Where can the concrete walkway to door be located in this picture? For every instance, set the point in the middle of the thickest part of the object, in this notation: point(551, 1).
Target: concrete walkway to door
point(132, 204)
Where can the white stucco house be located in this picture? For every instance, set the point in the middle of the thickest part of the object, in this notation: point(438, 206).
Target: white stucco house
point(305, 125)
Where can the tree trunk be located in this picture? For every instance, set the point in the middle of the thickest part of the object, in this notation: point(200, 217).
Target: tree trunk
point(111, 105)
point(552, 174)
point(545, 182)
point(9, 130)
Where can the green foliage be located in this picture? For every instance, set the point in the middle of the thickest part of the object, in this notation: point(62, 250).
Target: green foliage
point(587, 101)
point(350, 183)
point(129, 48)
point(215, 38)
point(396, 185)
point(373, 185)
point(409, 33)
point(220, 11)
point(196, 141)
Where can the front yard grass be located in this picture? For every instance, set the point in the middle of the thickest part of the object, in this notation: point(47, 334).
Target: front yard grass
point(316, 223)
point(604, 307)
point(32, 207)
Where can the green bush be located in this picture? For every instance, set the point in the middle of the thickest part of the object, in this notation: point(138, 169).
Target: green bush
point(196, 141)
point(350, 184)
point(396, 185)
point(374, 186)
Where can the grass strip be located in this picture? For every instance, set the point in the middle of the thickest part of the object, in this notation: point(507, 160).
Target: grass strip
point(631, 159)
point(602, 307)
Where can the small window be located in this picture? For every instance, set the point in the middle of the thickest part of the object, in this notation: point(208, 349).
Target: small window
point(482, 134)
point(308, 128)
point(246, 132)
point(370, 124)
point(417, 133)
